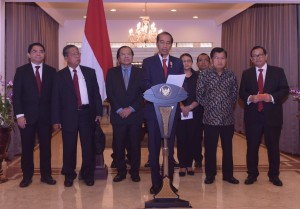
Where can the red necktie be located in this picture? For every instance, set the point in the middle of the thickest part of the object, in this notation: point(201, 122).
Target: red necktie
point(76, 86)
point(165, 67)
point(260, 82)
point(38, 79)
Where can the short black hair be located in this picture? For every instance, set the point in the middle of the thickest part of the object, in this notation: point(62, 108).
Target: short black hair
point(186, 55)
point(203, 54)
point(66, 49)
point(122, 47)
point(258, 47)
point(218, 50)
point(35, 44)
point(164, 33)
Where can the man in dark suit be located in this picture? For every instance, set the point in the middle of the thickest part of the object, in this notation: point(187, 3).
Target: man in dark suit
point(155, 71)
point(32, 106)
point(76, 106)
point(125, 97)
point(263, 89)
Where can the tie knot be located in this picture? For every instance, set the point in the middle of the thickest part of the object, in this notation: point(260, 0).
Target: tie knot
point(164, 60)
point(125, 70)
point(37, 67)
point(75, 71)
point(260, 70)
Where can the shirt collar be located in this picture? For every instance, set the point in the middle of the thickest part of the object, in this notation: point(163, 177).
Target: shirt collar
point(161, 58)
point(128, 68)
point(263, 67)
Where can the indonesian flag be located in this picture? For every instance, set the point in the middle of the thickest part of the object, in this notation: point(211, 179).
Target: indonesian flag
point(96, 51)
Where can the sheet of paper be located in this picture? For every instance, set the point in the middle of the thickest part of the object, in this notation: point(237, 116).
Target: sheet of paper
point(190, 116)
point(176, 79)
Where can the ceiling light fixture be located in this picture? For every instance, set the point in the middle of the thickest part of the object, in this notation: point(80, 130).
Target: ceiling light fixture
point(195, 17)
point(173, 10)
point(144, 32)
point(113, 10)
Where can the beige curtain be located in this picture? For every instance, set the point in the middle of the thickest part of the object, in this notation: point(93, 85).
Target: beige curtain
point(274, 27)
point(27, 23)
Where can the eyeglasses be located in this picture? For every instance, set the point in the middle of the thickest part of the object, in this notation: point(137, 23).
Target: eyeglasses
point(255, 56)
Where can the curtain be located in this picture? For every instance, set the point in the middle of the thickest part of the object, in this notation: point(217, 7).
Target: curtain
point(274, 27)
point(27, 23)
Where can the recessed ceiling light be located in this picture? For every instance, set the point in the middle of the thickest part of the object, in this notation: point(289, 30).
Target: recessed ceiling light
point(113, 10)
point(195, 17)
point(173, 10)
point(84, 17)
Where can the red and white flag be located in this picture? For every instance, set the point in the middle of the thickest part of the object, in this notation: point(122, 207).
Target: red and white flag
point(96, 51)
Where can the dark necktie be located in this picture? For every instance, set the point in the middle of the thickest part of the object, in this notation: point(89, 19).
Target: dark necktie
point(38, 79)
point(76, 86)
point(126, 78)
point(165, 67)
point(260, 82)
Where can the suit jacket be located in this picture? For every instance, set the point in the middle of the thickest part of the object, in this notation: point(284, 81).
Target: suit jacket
point(153, 74)
point(275, 84)
point(119, 97)
point(64, 105)
point(26, 99)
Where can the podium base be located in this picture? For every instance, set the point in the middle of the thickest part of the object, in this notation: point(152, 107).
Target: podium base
point(167, 203)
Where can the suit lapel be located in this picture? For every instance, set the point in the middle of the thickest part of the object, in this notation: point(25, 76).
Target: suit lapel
point(268, 78)
point(159, 65)
point(253, 76)
point(31, 77)
point(68, 79)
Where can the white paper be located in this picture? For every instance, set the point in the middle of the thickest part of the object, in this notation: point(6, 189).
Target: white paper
point(176, 79)
point(190, 116)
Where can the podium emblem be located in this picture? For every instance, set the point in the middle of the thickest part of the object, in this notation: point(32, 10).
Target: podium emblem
point(165, 90)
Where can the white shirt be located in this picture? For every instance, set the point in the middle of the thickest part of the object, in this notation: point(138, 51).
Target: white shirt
point(82, 85)
point(161, 60)
point(264, 72)
point(40, 69)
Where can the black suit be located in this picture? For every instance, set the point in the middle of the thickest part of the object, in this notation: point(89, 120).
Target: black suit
point(267, 122)
point(153, 74)
point(126, 131)
point(36, 110)
point(74, 120)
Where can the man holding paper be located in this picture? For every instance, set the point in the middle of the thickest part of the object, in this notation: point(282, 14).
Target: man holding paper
point(155, 70)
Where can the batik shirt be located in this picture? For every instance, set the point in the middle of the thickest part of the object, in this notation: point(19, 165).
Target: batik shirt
point(218, 95)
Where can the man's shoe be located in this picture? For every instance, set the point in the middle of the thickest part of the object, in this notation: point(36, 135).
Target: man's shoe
point(198, 164)
point(209, 179)
point(68, 183)
point(250, 180)
point(136, 178)
point(89, 182)
point(276, 181)
point(231, 180)
point(48, 180)
point(119, 177)
point(155, 189)
point(25, 182)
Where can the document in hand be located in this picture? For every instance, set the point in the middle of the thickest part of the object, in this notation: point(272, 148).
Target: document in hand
point(176, 79)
